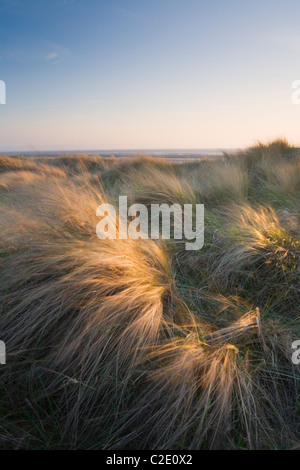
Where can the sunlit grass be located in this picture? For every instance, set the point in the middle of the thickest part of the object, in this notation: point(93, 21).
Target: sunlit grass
point(140, 344)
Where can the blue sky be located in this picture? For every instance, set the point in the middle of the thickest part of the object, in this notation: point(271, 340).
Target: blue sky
point(140, 74)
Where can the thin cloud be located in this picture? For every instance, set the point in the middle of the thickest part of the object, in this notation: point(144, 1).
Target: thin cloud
point(34, 51)
point(56, 52)
point(52, 55)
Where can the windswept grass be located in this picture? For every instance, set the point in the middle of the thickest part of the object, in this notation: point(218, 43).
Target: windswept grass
point(137, 344)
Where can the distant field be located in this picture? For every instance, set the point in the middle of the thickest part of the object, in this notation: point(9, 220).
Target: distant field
point(140, 344)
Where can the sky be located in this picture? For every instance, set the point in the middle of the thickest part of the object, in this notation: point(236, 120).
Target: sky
point(141, 74)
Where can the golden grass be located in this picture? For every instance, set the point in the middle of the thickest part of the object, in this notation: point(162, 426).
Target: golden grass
point(137, 344)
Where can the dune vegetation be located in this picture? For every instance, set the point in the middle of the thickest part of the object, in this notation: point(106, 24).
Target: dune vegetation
point(140, 344)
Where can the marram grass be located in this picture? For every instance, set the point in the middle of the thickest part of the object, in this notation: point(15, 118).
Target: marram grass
point(138, 344)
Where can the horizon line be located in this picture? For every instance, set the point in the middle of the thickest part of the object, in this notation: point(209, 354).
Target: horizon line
point(169, 149)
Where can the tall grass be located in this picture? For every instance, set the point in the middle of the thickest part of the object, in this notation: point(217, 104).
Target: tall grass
point(139, 344)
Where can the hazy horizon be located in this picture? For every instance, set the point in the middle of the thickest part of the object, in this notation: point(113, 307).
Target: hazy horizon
point(122, 150)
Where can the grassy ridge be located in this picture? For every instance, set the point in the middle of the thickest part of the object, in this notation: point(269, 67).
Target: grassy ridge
point(141, 344)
